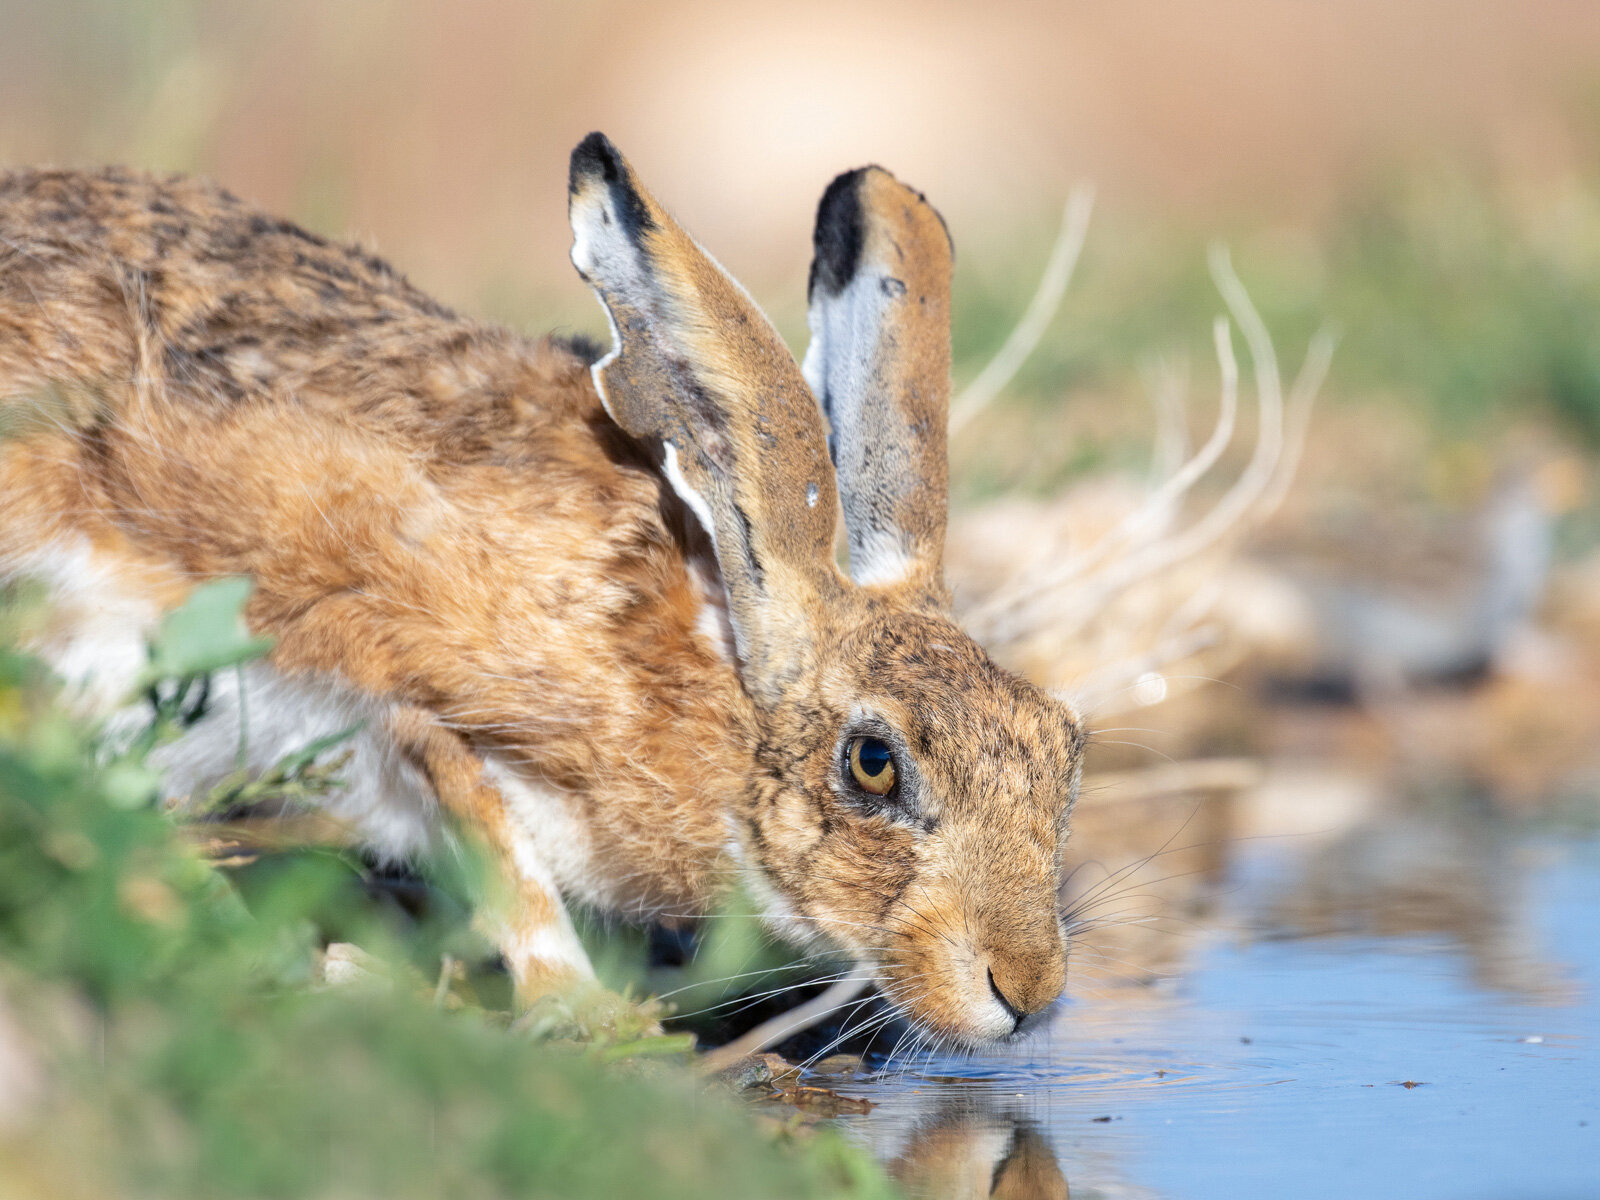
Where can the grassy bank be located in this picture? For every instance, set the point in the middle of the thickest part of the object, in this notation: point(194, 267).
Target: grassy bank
point(164, 1037)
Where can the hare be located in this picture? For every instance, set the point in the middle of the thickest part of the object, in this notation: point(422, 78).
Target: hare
point(589, 608)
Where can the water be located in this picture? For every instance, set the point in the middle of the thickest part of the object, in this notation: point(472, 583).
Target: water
point(1271, 1060)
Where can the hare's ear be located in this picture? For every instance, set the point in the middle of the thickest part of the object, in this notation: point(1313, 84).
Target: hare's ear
point(699, 367)
point(879, 363)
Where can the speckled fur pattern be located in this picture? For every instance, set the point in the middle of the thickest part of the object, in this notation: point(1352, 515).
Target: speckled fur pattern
point(448, 529)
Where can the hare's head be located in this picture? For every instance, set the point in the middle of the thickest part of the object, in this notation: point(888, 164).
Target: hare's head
point(912, 797)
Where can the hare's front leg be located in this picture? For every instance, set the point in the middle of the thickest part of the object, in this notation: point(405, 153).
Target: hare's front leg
point(528, 921)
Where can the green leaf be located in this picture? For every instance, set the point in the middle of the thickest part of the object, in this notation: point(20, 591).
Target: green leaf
point(662, 1045)
point(291, 765)
point(129, 784)
point(205, 634)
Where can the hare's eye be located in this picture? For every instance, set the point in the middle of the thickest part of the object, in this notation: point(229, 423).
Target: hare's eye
point(872, 765)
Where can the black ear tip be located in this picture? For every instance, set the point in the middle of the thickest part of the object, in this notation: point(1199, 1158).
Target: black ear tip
point(594, 156)
point(840, 230)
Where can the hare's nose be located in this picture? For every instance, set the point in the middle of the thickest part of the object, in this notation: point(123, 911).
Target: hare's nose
point(1029, 982)
point(1012, 1011)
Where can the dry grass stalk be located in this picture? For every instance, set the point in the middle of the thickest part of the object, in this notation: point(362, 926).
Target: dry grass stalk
point(1036, 318)
point(1111, 618)
point(787, 1024)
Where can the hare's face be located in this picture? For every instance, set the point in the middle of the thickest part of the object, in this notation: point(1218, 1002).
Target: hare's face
point(918, 821)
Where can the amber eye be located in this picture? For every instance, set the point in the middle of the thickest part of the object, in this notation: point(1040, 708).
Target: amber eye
point(872, 765)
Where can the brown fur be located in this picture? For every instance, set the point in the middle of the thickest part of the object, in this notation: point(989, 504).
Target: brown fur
point(387, 481)
point(442, 516)
point(966, 1150)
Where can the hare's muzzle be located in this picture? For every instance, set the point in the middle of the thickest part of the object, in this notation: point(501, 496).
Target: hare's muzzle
point(974, 972)
point(1026, 982)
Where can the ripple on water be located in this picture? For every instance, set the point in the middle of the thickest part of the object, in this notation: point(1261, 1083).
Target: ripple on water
point(1072, 1074)
point(1332, 1066)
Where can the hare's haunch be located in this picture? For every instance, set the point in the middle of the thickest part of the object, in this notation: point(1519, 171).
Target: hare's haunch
point(590, 610)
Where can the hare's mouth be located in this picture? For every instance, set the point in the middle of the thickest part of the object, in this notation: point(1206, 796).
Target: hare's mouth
point(948, 1009)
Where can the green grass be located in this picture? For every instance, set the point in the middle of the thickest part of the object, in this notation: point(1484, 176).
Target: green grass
point(188, 1053)
point(1447, 297)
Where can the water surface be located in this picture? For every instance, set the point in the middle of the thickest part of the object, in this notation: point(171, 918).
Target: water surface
point(1273, 1058)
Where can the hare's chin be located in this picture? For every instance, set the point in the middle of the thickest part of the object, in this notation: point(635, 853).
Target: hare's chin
point(980, 1024)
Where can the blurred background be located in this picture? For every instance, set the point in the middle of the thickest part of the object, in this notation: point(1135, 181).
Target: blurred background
point(1423, 179)
point(1387, 651)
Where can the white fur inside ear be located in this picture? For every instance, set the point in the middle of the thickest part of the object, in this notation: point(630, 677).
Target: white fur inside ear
point(691, 497)
point(610, 263)
point(844, 347)
point(597, 371)
point(879, 558)
point(590, 216)
point(839, 367)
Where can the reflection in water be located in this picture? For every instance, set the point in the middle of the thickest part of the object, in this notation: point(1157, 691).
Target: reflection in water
point(1148, 898)
point(1267, 1059)
point(967, 1147)
point(1141, 866)
point(1423, 873)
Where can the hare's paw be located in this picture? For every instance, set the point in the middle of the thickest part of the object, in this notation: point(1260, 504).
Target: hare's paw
point(586, 1012)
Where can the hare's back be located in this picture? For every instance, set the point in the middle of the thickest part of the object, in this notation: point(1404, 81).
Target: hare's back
point(220, 298)
point(437, 515)
point(235, 380)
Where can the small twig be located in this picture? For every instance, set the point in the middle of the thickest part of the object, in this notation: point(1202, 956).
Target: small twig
point(1167, 382)
point(787, 1024)
point(1145, 517)
point(447, 971)
point(1200, 775)
point(273, 835)
point(1036, 318)
point(1319, 355)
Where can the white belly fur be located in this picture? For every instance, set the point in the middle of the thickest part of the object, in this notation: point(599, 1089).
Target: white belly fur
point(553, 833)
point(99, 624)
point(96, 643)
point(384, 800)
